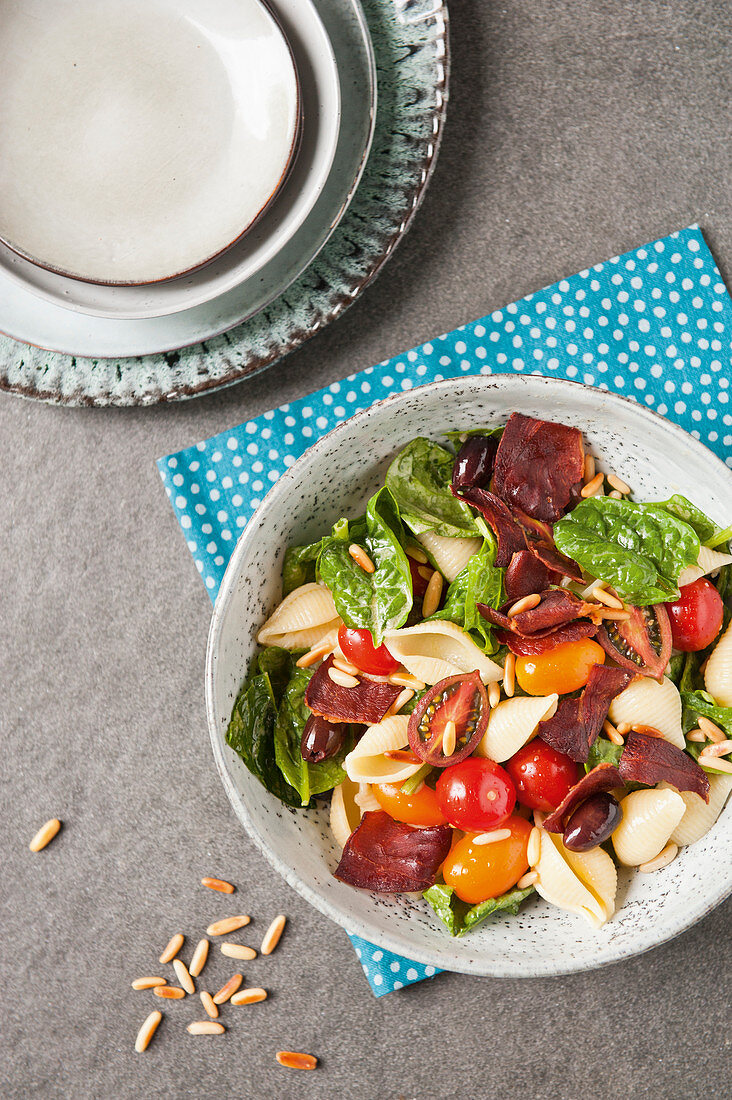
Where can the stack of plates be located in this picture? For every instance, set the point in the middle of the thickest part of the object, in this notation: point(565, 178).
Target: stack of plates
point(169, 169)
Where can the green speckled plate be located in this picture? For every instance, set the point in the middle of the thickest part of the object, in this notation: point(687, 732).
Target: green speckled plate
point(410, 46)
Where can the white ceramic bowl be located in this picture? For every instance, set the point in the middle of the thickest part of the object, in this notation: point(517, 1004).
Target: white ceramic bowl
point(334, 478)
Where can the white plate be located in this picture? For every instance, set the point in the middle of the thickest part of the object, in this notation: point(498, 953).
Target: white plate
point(139, 140)
point(653, 456)
point(320, 90)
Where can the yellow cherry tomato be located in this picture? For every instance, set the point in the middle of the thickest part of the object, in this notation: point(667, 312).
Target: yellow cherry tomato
point(477, 872)
point(562, 669)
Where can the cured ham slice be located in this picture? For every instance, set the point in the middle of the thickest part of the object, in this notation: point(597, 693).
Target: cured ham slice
point(388, 856)
point(509, 535)
point(547, 639)
point(539, 466)
point(367, 702)
point(604, 777)
point(652, 760)
point(577, 722)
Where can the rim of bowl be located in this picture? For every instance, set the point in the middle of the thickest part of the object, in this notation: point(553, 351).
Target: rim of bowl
point(514, 968)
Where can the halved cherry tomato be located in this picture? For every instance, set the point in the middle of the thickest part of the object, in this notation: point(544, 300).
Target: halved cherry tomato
point(696, 617)
point(476, 795)
point(641, 643)
point(420, 808)
point(358, 647)
point(542, 775)
point(477, 872)
point(564, 668)
point(459, 699)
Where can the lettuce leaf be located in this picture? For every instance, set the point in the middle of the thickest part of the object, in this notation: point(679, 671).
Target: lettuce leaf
point(307, 779)
point(419, 479)
point(640, 549)
point(701, 703)
point(459, 917)
point(481, 581)
point(682, 508)
point(603, 751)
point(251, 736)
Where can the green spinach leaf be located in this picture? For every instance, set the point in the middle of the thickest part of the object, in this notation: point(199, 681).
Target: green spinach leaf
point(459, 917)
point(307, 779)
point(640, 549)
point(458, 438)
point(603, 751)
point(299, 566)
point(481, 581)
point(684, 509)
point(419, 479)
point(251, 736)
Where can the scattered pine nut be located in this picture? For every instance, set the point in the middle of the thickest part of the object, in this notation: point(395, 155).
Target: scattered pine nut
point(218, 884)
point(449, 738)
point(228, 924)
point(618, 485)
point(405, 679)
point(649, 731)
point(313, 655)
point(494, 694)
point(613, 615)
point(432, 595)
point(602, 595)
point(345, 666)
point(361, 558)
point(718, 748)
point(615, 495)
point(509, 675)
point(181, 971)
point(342, 678)
point(45, 835)
point(238, 951)
point(492, 837)
point(524, 604)
point(425, 572)
point(172, 949)
point(148, 983)
point(668, 855)
point(293, 1059)
point(712, 730)
point(272, 935)
point(589, 471)
point(611, 733)
point(226, 990)
point(170, 992)
point(720, 764)
point(623, 728)
point(205, 1027)
point(533, 851)
point(592, 487)
point(417, 554)
point(199, 958)
point(209, 1004)
point(401, 701)
point(696, 735)
point(249, 996)
point(147, 1031)
point(527, 880)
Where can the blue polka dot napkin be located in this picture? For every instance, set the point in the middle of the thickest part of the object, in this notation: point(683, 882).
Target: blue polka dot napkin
point(654, 324)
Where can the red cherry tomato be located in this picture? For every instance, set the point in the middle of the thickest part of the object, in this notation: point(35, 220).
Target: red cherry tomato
point(419, 808)
point(358, 647)
point(696, 617)
point(542, 775)
point(564, 668)
point(477, 872)
point(475, 795)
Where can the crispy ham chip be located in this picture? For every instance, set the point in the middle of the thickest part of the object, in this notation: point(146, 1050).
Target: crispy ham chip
point(650, 760)
point(546, 639)
point(574, 727)
point(557, 607)
point(388, 856)
point(526, 574)
point(539, 466)
point(602, 778)
point(509, 535)
point(367, 703)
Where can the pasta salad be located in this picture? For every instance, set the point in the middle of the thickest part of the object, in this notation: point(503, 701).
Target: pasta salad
point(508, 675)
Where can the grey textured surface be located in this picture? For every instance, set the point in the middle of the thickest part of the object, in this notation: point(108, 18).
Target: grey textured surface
point(575, 131)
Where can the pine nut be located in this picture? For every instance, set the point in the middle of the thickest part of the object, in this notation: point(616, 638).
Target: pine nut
point(696, 735)
point(272, 935)
point(449, 738)
point(494, 694)
point(345, 666)
point(614, 616)
point(416, 554)
point(172, 949)
point(146, 1032)
point(492, 837)
point(342, 678)
point(509, 675)
point(533, 851)
point(238, 951)
point(524, 604)
point(668, 855)
point(361, 558)
point(148, 983)
point(611, 733)
point(432, 595)
point(720, 748)
point(181, 971)
point(170, 992)
point(226, 990)
point(618, 485)
point(405, 679)
point(589, 470)
point(313, 655)
point(425, 572)
point(527, 880)
point(712, 730)
point(720, 764)
point(293, 1059)
point(623, 728)
point(45, 835)
point(209, 1005)
point(205, 1027)
point(649, 731)
point(228, 924)
point(603, 596)
point(401, 701)
point(615, 495)
point(592, 487)
point(198, 960)
point(249, 996)
point(218, 884)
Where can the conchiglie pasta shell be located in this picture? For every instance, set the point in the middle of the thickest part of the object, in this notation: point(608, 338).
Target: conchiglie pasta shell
point(700, 815)
point(308, 612)
point(367, 763)
point(513, 723)
point(432, 651)
point(366, 799)
point(345, 814)
point(647, 702)
point(559, 884)
point(597, 871)
point(649, 819)
point(449, 555)
point(709, 561)
point(718, 673)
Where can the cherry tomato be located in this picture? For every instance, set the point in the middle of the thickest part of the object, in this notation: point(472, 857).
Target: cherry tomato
point(477, 872)
point(564, 668)
point(476, 795)
point(358, 647)
point(542, 775)
point(419, 808)
point(696, 617)
point(459, 699)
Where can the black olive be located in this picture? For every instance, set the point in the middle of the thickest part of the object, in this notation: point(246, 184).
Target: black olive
point(474, 463)
point(321, 739)
point(592, 822)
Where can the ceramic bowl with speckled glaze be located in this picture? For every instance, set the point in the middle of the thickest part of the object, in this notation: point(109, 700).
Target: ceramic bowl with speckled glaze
point(334, 478)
